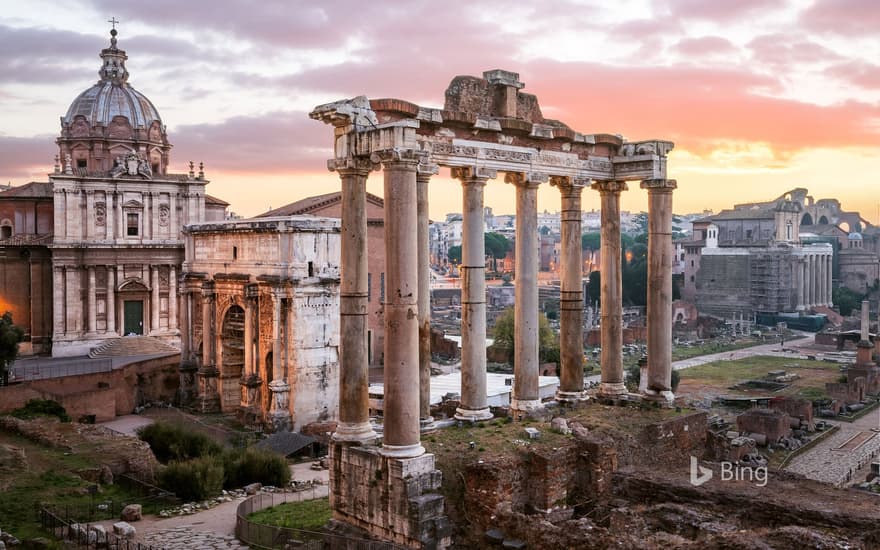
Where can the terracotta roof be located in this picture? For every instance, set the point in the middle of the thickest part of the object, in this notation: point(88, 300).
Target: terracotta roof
point(215, 201)
point(310, 204)
point(743, 214)
point(32, 190)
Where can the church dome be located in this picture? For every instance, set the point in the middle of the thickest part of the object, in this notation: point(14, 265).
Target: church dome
point(112, 96)
point(855, 236)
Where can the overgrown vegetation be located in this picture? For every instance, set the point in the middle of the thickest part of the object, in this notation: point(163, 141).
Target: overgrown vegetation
point(634, 377)
point(548, 341)
point(195, 479)
point(199, 468)
point(10, 336)
point(308, 515)
point(171, 442)
point(41, 407)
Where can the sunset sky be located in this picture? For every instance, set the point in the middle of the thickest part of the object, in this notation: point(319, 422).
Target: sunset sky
point(760, 96)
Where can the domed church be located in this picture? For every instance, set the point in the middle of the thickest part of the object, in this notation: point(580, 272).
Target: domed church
point(113, 231)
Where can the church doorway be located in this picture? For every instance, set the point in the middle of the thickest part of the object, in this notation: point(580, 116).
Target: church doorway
point(133, 317)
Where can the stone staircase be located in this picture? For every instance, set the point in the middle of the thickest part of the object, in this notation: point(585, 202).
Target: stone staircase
point(132, 345)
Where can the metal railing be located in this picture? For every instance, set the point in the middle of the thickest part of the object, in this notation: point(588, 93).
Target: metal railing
point(262, 536)
point(41, 370)
point(61, 527)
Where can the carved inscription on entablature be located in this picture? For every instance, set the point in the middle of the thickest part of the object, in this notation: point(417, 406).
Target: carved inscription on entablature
point(454, 150)
point(638, 169)
point(596, 164)
point(507, 155)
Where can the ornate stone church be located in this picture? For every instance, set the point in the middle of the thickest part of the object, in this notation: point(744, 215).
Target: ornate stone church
point(113, 232)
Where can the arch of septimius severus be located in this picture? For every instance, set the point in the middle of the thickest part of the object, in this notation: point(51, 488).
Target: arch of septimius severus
point(487, 126)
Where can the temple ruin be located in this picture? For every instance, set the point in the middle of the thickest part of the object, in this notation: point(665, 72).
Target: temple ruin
point(488, 125)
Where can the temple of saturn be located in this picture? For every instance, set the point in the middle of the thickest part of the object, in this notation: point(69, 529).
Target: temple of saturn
point(487, 126)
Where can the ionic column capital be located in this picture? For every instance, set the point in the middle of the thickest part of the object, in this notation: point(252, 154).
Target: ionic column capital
point(426, 169)
point(661, 185)
point(569, 184)
point(530, 180)
point(360, 166)
point(473, 175)
point(398, 157)
point(609, 187)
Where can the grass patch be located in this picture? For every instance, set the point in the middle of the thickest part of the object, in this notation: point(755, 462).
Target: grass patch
point(308, 515)
point(723, 375)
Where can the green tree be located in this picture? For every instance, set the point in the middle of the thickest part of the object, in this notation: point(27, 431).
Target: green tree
point(454, 254)
point(548, 342)
point(591, 241)
point(846, 300)
point(545, 230)
point(10, 336)
point(497, 246)
point(594, 287)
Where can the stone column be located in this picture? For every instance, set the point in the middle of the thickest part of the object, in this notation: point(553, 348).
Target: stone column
point(660, 253)
point(401, 402)
point(59, 300)
point(172, 297)
point(808, 281)
point(799, 281)
point(92, 301)
point(571, 302)
point(154, 300)
point(423, 176)
point(209, 396)
point(525, 329)
point(110, 306)
point(90, 228)
point(248, 370)
point(820, 279)
point(611, 290)
point(828, 287)
point(121, 223)
point(354, 406)
point(279, 412)
point(864, 347)
point(173, 224)
point(474, 405)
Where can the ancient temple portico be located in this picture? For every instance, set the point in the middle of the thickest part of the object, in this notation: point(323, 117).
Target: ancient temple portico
point(487, 126)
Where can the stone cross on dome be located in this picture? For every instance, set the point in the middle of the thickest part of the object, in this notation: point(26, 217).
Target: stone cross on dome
point(113, 68)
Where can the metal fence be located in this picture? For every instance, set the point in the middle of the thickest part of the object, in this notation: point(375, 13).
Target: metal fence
point(26, 371)
point(262, 536)
point(62, 528)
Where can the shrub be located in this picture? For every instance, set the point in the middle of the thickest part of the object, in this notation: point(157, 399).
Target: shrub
point(41, 407)
point(195, 479)
point(172, 442)
point(254, 466)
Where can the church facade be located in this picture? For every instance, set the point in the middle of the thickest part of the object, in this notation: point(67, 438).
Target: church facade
point(116, 216)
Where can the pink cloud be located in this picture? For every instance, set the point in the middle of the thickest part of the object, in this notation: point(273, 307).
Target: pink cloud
point(844, 17)
point(721, 11)
point(787, 50)
point(705, 46)
point(865, 75)
point(23, 157)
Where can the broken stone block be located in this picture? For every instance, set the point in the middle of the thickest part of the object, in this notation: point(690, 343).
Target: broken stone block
point(100, 533)
point(253, 488)
point(132, 512)
point(533, 433)
point(560, 425)
point(124, 530)
point(513, 543)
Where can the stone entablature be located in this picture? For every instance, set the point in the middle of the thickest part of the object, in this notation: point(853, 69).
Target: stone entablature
point(269, 290)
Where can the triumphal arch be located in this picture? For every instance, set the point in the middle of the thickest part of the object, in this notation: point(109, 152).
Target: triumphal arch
point(487, 127)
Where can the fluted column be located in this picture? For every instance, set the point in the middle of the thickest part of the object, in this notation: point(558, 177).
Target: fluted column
point(474, 405)
point(209, 396)
point(172, 298)
point(829, 259)
point(154, 300)
point(173, 224)
point(808, 280)
point(401, 401)
point(525, 328)
point(60, 302)
point(799, 282)
point(121, 222)
point(90, 228)
point(92, 301)
point(354, 407)
point(660, 253)
point(423, 176)
point(109, 213)
point(110, 308)
point(611, 289)
point(571, 302)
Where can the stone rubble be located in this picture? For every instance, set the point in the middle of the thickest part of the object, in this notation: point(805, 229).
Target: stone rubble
point(184, 538)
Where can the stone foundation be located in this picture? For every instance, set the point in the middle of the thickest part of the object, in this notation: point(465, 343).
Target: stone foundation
point(389, 498)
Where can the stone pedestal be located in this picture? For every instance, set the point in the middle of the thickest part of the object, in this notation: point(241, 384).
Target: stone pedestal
point(209, 397)
point(250, 396)
point(279, 411)
point(188, 390)
point(392, 499)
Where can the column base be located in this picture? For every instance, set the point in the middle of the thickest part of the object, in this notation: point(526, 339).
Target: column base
point(280, 421)
point(360, 432)
point(800, 308)
point(402, 451)
point(612, 389)
point(662, 396)
point(571, 396)
point(520, 408)
point(427, 424)
point(472, 415)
